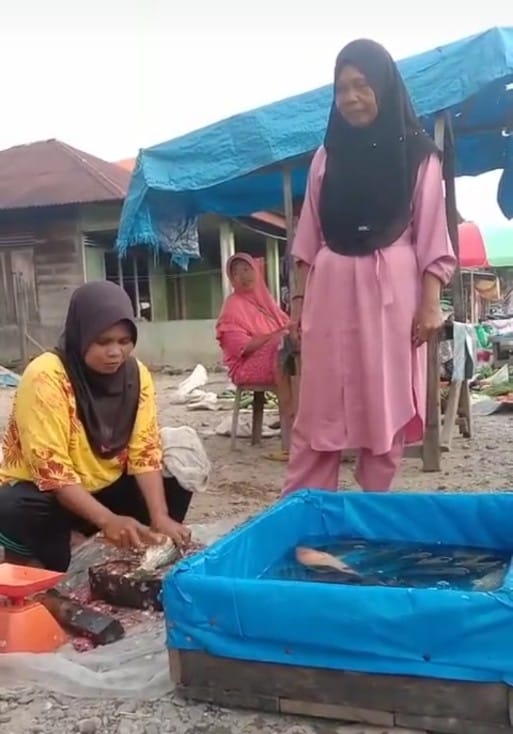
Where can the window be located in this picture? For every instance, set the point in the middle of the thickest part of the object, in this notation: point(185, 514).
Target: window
point(132, 273)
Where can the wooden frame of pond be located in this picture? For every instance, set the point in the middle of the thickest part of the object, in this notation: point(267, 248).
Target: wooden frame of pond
point(435, 706)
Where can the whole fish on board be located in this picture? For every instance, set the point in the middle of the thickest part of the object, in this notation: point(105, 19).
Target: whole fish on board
point(155, 556)
point(321, 561)
point(160, 555)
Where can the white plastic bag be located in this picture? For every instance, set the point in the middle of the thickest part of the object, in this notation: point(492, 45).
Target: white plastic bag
point(197, 378)
point(185, 458)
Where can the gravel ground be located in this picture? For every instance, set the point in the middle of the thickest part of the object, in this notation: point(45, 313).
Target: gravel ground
point(242, 483)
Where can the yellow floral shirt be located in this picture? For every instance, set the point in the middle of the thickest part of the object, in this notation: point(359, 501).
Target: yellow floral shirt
point(46, 443)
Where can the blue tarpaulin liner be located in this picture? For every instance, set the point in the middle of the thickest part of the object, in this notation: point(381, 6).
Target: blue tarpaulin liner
point(219, 168)
point(216, 603)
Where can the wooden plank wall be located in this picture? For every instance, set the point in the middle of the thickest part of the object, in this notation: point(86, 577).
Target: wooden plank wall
point(59, 269)
point(49, 253)
point(46, 250)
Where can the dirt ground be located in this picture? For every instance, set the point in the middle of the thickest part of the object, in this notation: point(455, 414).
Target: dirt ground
point(242, 483)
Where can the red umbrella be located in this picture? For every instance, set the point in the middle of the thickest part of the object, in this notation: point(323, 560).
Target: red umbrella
point(472, 246)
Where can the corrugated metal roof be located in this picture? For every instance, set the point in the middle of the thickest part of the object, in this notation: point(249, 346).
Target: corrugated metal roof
point(50, 173)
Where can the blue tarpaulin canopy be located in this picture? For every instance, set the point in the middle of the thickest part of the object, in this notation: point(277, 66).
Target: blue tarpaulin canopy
point(233, 167)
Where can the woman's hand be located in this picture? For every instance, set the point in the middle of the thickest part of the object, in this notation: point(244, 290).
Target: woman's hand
point(179, 534)
point(428, 319)
point(152, 487)
point(126, 532)
point(427, 322)
point(257, 342)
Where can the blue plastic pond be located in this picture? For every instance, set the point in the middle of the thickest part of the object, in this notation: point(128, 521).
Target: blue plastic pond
point(430, 593)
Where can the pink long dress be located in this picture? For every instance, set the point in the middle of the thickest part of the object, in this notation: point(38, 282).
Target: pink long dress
point(363, 384)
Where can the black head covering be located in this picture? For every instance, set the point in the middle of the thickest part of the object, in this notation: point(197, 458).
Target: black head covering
point(107, 404)
point(371, 171)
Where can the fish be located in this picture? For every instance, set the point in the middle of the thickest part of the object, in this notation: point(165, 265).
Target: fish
point(490, 582)
point(321, 561)
point(437, 571)
point(159, 555)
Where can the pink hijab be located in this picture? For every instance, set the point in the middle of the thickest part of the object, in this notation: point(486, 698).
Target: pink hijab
point(254, 312)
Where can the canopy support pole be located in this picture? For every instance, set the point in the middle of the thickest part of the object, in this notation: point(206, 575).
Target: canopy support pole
point(458, 408)
point(227, 247)
point(288, 207)
point(431, 446)
point(272, 265)
point(449, 161)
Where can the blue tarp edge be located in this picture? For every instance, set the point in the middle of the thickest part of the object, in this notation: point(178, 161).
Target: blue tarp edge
point(219, 168)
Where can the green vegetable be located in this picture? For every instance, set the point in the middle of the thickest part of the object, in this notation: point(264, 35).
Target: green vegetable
point(495, 391)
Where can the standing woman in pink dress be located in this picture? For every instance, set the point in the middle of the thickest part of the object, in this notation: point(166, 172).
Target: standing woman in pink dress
point(371, 254)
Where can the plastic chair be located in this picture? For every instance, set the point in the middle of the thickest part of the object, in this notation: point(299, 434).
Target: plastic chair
point(258, 412)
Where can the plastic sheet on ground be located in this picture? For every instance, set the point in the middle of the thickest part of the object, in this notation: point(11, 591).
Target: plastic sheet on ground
point(244, 428)
point(135, 666)
point(8, 378)
point(465, 351)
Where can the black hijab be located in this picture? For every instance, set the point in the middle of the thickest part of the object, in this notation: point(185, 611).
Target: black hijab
point(371, 171)
point(107, 404)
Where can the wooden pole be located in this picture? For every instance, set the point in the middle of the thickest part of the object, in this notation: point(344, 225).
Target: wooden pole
point(227, 248)
point(288, 205)
point(449, 166)
point(464, 406)
point(431, 446)
point(120, 273)
point(272, 265)
point(459, 393)
point(472, 298)
point(21, 317)
point(137, 295)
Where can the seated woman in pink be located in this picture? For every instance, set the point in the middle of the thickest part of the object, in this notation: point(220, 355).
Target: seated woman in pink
point(252, 331)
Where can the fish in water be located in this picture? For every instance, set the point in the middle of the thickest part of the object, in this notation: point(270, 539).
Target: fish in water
point(160, 555)
point(490, 581)
point(321, 561)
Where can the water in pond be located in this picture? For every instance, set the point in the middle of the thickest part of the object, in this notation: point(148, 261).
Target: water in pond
point(401, 564)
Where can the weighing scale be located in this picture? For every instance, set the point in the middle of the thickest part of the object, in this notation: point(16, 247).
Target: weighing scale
point(25, 624)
